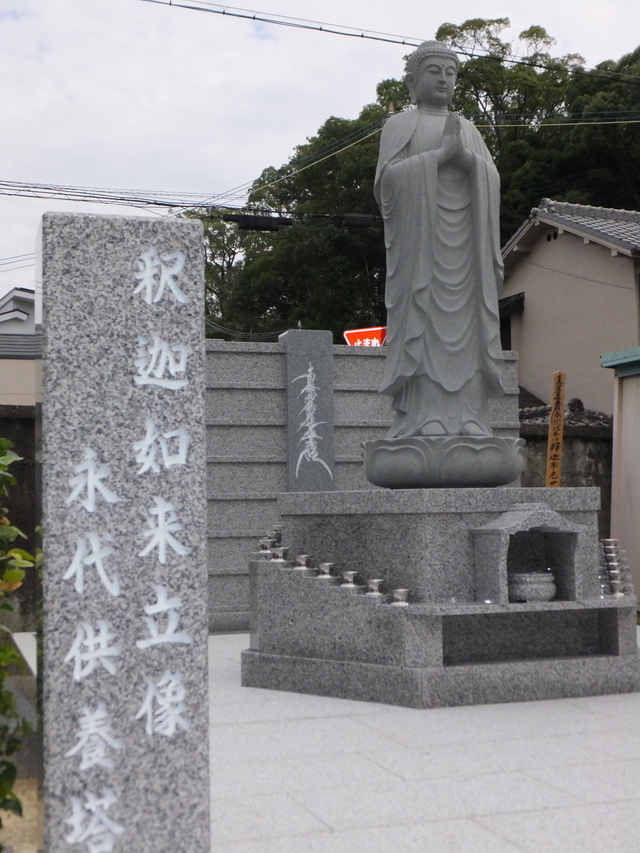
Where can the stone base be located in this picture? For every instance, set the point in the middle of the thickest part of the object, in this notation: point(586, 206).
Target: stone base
point(459, 640)
point(443, 461)
point(422, 687)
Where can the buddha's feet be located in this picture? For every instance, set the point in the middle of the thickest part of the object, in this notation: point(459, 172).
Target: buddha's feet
point(432, 428)
point(474, 428)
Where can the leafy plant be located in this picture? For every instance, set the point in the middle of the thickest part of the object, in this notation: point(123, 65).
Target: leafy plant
point(13, 562)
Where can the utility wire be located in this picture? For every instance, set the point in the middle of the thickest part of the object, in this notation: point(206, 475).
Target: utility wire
point(188, 201)
point(373, 35)
point(17, 257)
point(244, 336)
point(555, 123)
point(14, 269)
point(286, 21)
point(133, 198)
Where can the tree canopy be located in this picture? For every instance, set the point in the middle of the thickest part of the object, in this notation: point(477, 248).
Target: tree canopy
point(554, 129)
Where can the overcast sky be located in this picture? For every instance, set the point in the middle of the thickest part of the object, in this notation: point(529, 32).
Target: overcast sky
point(133, 95)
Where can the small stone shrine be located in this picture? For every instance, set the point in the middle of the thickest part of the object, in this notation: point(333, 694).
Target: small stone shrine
point(125, 628)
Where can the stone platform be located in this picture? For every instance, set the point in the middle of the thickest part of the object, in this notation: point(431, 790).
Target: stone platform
point(459, 640)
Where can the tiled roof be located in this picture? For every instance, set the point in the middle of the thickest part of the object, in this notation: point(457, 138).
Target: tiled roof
point(528, 400)
point(21, 346)
point(575, 415)
point(618, 227)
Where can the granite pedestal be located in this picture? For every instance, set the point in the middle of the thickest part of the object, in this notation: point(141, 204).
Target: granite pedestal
point(459, 640)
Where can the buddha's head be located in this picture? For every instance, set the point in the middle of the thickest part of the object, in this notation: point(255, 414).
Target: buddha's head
point(431, 72)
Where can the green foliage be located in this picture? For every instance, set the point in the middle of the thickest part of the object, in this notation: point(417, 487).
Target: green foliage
point(604, 157)
point(224, 249)
point(13, 561)
point(317, 273)
point(516, 106)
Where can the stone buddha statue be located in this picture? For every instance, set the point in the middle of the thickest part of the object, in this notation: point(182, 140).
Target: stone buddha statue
point(438, 193)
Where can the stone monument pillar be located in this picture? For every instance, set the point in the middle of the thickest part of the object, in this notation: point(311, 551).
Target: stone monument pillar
point(309, 369)
point(125, 628)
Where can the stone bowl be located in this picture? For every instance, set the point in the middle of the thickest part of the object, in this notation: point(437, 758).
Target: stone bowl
point(531, 586)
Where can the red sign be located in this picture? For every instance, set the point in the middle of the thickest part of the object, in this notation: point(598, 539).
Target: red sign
point(374, 337)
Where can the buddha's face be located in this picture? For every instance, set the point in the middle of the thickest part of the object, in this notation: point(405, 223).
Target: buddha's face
point(436, 81)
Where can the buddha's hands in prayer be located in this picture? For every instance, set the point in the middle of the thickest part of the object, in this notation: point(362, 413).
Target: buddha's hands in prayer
point(452, 151)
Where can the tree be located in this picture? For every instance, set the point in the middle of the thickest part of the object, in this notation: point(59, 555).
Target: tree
point(517, 106)
point(223, 247)
point(318, 272)
point(604, 152)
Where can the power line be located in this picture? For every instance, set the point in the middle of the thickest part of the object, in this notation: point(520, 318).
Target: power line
point(557, 123)
point(14, 269)
point(179, 202)
point(373, 35)
point(286, 21)
point(133, 198)
point(16, 257)
point(243, 336)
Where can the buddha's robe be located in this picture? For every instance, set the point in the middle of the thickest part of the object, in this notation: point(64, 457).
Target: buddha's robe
point(444, 274)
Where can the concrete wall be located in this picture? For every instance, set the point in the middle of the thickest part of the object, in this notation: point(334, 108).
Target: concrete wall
point(246, 466)
point(246, 450)
point(580, 301)
point(20, 382)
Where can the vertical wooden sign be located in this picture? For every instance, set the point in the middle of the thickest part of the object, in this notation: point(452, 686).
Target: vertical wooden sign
point(556, 430)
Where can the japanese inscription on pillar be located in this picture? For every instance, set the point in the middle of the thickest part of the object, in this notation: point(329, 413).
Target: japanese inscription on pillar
point(124, 518)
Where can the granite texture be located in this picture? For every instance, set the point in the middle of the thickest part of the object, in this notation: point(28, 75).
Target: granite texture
point(366, 682)
point(323, 620)
point(425, 539)
point(414, 687)
point(256, 515)
point(125, 631)
point(309, 384)
point(418, 501)
point(460, 640)
point(246, 466)
point(532, 538)
point(254, 439)
point(238, 475)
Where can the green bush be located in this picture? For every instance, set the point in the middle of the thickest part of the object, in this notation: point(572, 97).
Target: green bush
point(13, 562)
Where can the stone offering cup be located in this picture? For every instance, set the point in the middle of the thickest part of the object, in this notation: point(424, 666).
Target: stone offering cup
point(373, 586)
point(400, 597)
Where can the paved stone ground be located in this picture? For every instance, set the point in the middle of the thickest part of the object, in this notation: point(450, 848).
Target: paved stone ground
point(304, 774)
point(25, 834)
point(293, 773)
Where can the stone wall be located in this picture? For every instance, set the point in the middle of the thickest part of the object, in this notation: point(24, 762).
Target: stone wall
point(586, 461)
point(247, 450)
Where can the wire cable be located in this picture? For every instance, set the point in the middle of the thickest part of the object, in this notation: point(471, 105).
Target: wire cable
point(353, 32)
point(14, 269)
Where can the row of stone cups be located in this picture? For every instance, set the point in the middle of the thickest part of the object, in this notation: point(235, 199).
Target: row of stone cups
point(326, 571)
point(615, 575)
